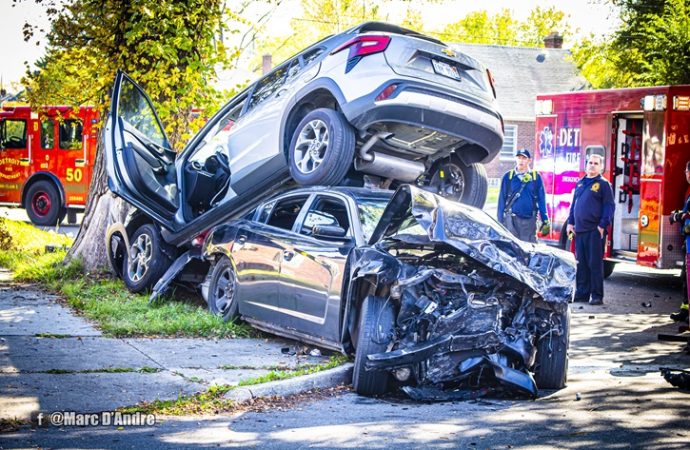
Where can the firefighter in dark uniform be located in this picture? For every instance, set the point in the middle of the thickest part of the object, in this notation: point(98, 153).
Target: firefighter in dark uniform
point(683, 217)
point(520, 198)
point(590, 214)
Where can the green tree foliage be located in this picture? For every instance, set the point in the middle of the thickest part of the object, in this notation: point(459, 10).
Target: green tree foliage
point(170, 47)
point(540, 23)
point(319, 18)
point(479, 27)
point(503, 29)
point(651, 47)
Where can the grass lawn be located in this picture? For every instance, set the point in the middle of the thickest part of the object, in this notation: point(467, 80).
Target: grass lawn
point(100, 297)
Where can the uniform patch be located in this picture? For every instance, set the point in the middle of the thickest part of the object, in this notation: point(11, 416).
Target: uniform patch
point(595, 187)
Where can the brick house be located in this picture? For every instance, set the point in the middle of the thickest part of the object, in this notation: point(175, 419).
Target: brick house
point(520, 73)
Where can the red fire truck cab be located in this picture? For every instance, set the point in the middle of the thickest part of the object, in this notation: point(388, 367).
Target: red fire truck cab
point(46, 159)
point(644, 136)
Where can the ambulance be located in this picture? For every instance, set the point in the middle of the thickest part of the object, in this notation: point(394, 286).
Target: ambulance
point(644, 136)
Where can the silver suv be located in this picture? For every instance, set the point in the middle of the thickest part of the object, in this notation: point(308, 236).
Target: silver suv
point(377, 100)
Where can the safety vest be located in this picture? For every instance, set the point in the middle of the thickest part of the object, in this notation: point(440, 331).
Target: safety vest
point(525, 179)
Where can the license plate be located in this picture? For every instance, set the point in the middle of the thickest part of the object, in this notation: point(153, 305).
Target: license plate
point(445, 69)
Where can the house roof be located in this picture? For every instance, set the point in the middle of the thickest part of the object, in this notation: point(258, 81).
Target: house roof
point(520, 73)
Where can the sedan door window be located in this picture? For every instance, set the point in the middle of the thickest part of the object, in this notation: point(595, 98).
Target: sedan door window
point(286, 211)
point(325, 211)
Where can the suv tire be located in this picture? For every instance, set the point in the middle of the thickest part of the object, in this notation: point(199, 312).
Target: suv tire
point(463, 183)
point(148, 259)
point(322, 148)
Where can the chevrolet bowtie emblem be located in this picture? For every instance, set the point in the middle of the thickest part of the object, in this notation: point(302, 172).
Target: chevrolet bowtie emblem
point(449, 52)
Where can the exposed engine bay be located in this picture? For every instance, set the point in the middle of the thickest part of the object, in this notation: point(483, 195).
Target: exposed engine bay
point(472, 310)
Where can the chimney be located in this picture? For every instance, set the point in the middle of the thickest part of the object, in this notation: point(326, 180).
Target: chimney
point(266, 64)
point(553, 40)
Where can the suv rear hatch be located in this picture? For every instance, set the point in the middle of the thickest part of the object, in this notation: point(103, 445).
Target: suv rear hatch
point(425, 58)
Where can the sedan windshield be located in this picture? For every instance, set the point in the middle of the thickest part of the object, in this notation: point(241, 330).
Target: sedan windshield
point(370, 211)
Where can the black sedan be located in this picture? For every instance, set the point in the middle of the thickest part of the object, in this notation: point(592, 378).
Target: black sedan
point(428, 294)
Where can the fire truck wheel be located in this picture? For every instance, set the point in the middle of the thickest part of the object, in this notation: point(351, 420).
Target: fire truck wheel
point(149, 257)
point(551, 366)
point(43, 204)
point(451, 178)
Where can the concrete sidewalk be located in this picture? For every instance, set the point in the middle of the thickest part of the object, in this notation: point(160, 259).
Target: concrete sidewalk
point(53, 360)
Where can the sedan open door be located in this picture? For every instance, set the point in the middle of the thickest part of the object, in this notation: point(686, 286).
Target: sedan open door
point(140, 162)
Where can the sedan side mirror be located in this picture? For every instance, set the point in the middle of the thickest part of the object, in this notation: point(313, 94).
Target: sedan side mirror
point(328, 231)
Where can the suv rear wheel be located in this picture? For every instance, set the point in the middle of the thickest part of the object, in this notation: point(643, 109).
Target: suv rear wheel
point(322, 148)
point(453, 179)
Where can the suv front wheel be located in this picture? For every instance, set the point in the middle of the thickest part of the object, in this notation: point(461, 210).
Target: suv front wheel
point(148, 259)
point(322, 148)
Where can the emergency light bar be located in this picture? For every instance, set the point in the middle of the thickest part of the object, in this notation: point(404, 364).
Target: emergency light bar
point(543, 107)
point(654, 103)
point(681, 103)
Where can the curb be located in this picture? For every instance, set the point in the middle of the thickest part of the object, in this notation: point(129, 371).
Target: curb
point(283, 388)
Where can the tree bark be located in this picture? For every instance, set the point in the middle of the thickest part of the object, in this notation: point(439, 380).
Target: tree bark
point(103, 208)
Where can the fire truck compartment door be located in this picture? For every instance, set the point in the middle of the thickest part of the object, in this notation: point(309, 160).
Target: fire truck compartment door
point(140, 163)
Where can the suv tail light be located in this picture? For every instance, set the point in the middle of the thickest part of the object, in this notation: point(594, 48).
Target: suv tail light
point(361, 46)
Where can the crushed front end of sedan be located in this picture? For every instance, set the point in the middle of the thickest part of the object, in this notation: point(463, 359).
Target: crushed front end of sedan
point(453, 302)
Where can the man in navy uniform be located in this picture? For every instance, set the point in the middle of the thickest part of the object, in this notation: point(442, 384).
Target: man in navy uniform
point(520, 198)
point(590, 214)
point(683, 218)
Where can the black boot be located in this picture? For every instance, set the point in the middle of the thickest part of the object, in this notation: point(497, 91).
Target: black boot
point(680, 316)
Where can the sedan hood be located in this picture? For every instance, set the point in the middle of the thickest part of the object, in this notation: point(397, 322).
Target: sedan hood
point(416, 216)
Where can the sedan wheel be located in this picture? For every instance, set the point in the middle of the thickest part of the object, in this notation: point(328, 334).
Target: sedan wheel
point(322, 148)
point(551, 367)
point(221, 298)
point(376, 320)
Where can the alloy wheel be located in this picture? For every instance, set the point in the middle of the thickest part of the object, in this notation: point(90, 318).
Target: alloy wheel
point(141, 253)
point(311, 146)
point(225, 290)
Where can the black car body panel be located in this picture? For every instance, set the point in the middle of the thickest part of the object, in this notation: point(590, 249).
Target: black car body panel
point(471, 301)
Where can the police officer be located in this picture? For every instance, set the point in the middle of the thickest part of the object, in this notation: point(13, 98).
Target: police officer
point(590, 214)
point(683, 217)
point(520, 198)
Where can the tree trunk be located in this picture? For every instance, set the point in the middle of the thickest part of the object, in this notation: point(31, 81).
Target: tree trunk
point(102, 210)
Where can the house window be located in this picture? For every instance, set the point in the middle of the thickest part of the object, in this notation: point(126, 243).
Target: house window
point(509, 142)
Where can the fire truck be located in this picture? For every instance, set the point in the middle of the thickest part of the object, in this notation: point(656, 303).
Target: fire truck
point(46, 160)
point(644, 136)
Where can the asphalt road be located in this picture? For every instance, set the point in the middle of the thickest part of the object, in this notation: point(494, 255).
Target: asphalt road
point(615, 398)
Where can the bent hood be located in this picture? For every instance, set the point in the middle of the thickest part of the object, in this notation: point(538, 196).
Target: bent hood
point(548, 272)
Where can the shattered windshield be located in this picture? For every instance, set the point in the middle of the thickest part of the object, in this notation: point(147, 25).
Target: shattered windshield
point(370, 211)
